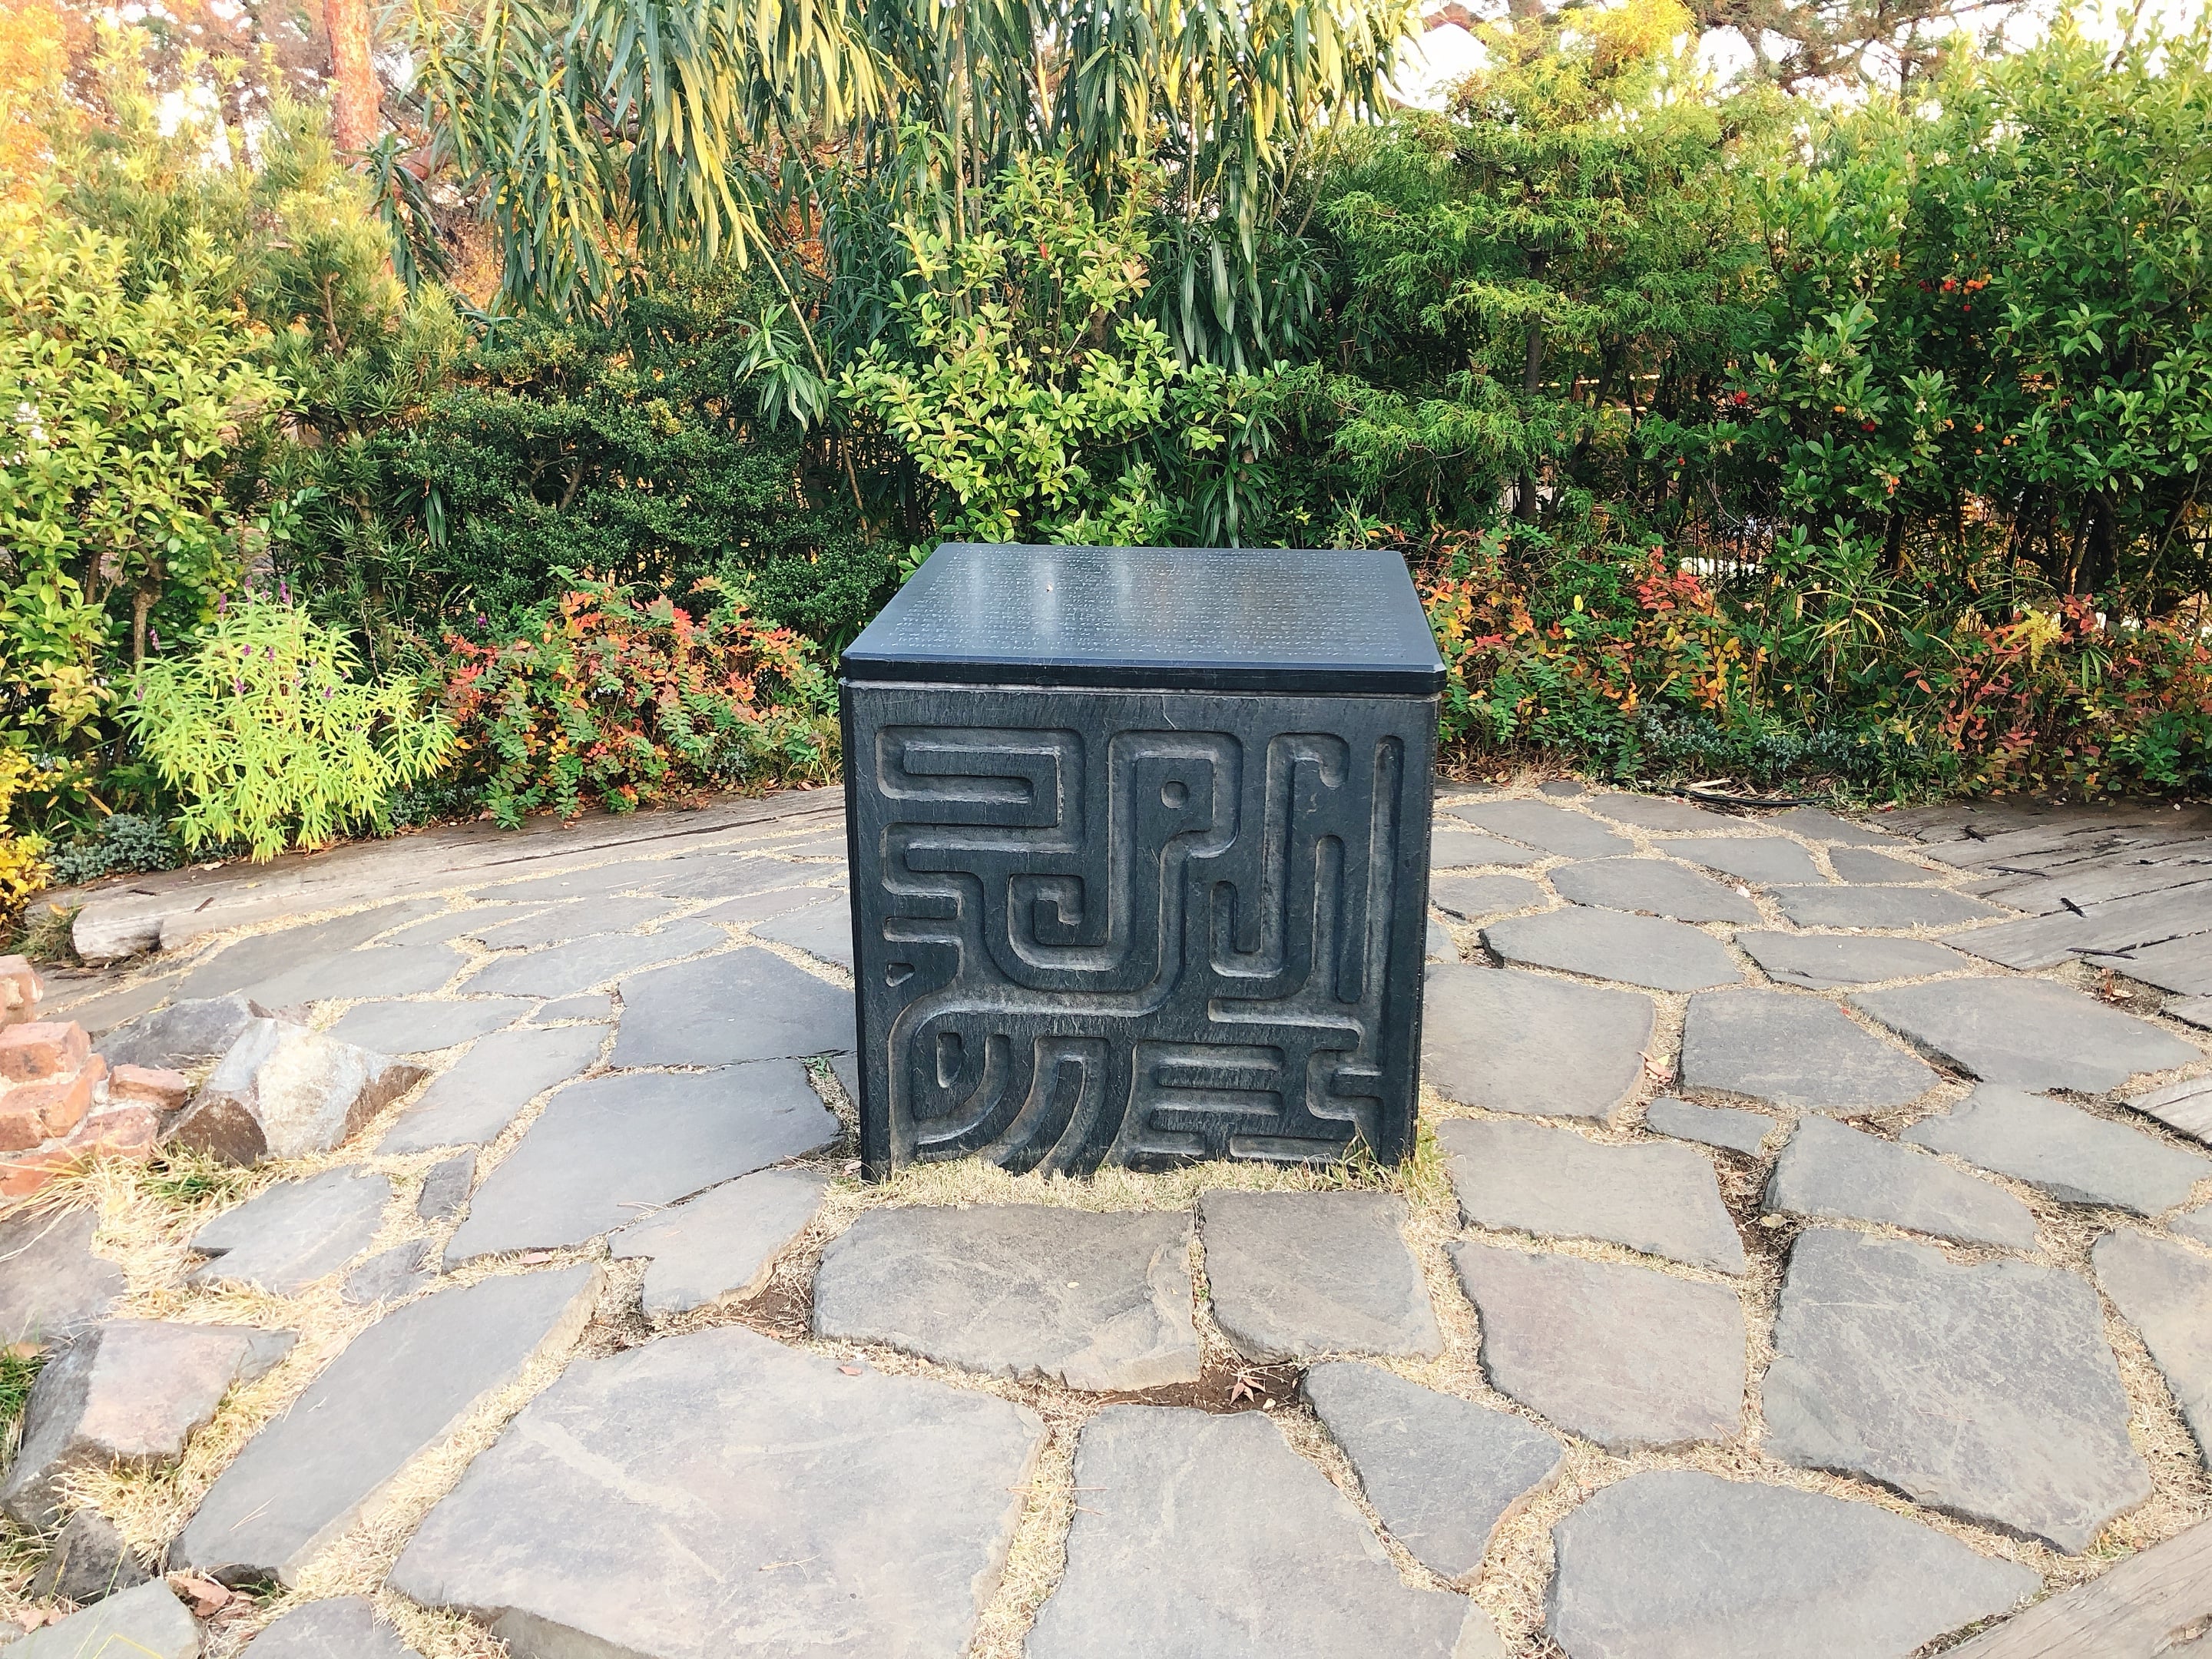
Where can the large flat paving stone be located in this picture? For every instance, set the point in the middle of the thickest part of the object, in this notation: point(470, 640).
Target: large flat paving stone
point(1628, 1357)
point(557, 924)
point(565, 970)
point(477, 1097)
point(2068, 1153)
point(1452, 848)
point(2186, 1106)
point(1297, 1275)
point(1519, 1042)
point(418, 1028)
point(1732, 1128)
point(1666, 956)
point(822, 929)
point(718, 1496)
point(2028, 1032)
point(1653, 885)
point(51, 1283)
point(2180, 965)
point(1837, 1174)
point(607, 1150)
point(1864, 866)
point(400, 1386)
point(1468, 897)
point(1549, 829)
point(1443, 1472)
point(296, 1232)
point(1984, 1390)
point(1763, 859)
point(2164, 1290)
point(593, 882)
point(1879, 906)
point(287, 956)
point(1095, 1301)
point(747, 1004)
point(1198, 1533)
point(344, 1628)
point(1824, 962)
point(147, 1622)
point(1533, 1178)
point(1816, 823)
point(1675, 1564)
point(2195, 1224)
point(1657, 812)
point(716, 876)
point(1795, 1051)
point(722, 1242)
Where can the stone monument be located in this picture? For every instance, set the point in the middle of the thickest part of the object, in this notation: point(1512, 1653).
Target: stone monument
point(1140, 844)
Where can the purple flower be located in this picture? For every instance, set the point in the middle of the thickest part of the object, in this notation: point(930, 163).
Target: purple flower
point(238, 688)
point(221, 603)
point(156, 633)
point(284, 590)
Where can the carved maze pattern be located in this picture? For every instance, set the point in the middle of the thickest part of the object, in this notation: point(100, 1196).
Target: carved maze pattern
point(1143, 929)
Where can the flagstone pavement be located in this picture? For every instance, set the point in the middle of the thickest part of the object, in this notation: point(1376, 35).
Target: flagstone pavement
point(1812, 1257)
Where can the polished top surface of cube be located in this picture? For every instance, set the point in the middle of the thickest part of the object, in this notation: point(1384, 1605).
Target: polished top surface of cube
point(1151, 618)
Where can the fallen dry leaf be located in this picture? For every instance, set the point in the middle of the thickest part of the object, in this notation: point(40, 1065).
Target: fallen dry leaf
point(204, 1596)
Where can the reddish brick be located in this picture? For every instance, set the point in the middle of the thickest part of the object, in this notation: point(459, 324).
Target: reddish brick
point(22, 1174)
point(42, 1049)
point(61, 1104)
point(21, 1125)
point(148, 1085)
point(126, 1131)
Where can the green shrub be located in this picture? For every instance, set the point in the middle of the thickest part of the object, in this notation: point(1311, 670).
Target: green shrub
point(122, 843)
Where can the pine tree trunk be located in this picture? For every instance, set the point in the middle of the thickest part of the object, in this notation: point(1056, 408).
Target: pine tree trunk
point(354, 98)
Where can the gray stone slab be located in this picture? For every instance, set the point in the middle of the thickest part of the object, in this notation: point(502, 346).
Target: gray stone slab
point(1983, 1390)
point(1879, 906)
point(607, 1151)
point(1101, 1302)
point(478, 1095)
point(596, 1006)
point(822, 929)
point(295, 1233)
point(1204, 1535)
point(1443, 1472)
point(722, 1242)
point(2164, 1290)
point(99, 1015)
point(2070, 1153)
point(390, 1275)
point(90, 1560)
point(2186, 1106)
point(2195, 1224)
point(446, 925)
point(1547, 827)
point(126, 1394)
point(284, 1091)
point(563, 970)
point(1762, 858)
point(1658, 812)
point(2139, 927)
point(1866, 867)
point(1471, 897)
point(1732, 1128)
point(400, 1386)
point(1653, 885)
point(51, 1285)
point(1452, 846)
point(185, 1033)
point(858, 1514)
point(1628, 1357)
point(418, 1028)
point(2193, 1010)
point(147, 1622)
point(1676, 1564)
point(445, 1188)
point(1666, 956)
point(716, 876)
point(1795, 1051)
point(595, 881)
point(2028, 1032)
point(746, 1004)
point(1545, 1047)
point(1834, 1173)
point(1824, 962)
point(1533, 1178)
point(2180, 965)
point(247, 963)
point(395, 970)
point(1815, 825)
point(750, 909)
point(1297, 1275)
point(586, 918)
point(344, 1628)
point(1439, 945)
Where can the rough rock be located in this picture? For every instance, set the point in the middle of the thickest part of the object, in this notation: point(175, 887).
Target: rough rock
point(2186, 1106)
point(2068, 1153)
point(1297, 1275)
point(1814, 824)
point(281, 1090)
point(298, 1231)
point(420, 1028)
point(1470, 897)
point(748, 1004)
point(1985, 1390)
point(1864, 866)
point(722, 1242)
point(478, 1097)
point(1654, 885)
point(2164, 1290)
point(1833, 1173)
point(1763, 859)
point(1730, 1128)
point(1667, 955)
point(607, 1150)
point(1675, 1564)
point(822, 929)
point(1879, 907)
point(1095, 1301)
point(1532, 1178)
point(51, 1285)
point(565, 970)
point(1454, 849)
point(1443, 1472)
point(1206, 1534)
point(445, 1188)
point(147, 1622)
point(1795, 1051)
point(183, 1033)
point(2027, 1032)
point(1519, 1042)
point(109, 931)
point(128, 1393)
point(1547, 827)
point(399, 1388)
point(1823, 962)
point(1629, 1357)
point(346, 1628)
point(581, 918)
point(858, 1514)
point(89, 1561)
point(390, 1275)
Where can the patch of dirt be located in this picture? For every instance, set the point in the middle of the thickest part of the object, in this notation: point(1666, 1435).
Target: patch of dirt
point(1223, 1386)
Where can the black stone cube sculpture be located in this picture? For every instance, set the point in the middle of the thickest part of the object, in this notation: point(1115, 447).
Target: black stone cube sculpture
point(1139, 846)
